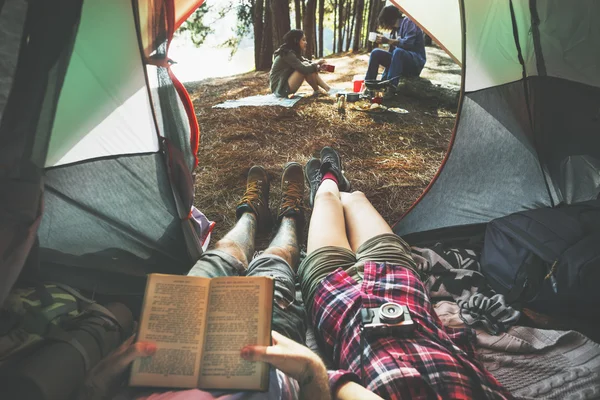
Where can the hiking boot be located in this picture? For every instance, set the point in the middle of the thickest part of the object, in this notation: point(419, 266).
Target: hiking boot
point(331, 162)
point(292, 193)
point(312, 173)
point(256, 198)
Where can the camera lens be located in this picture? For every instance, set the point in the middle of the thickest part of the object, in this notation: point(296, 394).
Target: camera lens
point(391, 312)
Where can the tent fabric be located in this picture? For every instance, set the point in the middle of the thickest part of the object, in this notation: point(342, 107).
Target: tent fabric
point(528, 122)
point(104, 109)
point(438, 18)
point(491, 131)
point(12, 23)
point(125, 222)
point(118, 189)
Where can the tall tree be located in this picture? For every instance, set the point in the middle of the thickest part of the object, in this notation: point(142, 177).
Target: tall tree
point(341, 19)
point(376, 7)
point(258, 23)
point(298, 13)
point(266, 51)
point(310, 24)
point(360, 8)
point(350, 23)
point(335, 9)
point(321, 19)
point(280, 17)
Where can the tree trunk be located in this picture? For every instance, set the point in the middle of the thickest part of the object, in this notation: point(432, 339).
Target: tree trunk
point(350, 22)
point(280, 14)
point(360, 8)
point(266, 51)
point(310, 27)
point(298, 12)
point(335, 3)
point(340, 38)
point(257, 22)
point(365, 27)
point(376, 7)
point(321, 18)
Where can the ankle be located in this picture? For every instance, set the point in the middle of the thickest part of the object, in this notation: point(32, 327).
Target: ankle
point(330, 175)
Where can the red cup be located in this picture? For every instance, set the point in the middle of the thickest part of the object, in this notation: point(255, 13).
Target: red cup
point(377, 100)
point(328, 67)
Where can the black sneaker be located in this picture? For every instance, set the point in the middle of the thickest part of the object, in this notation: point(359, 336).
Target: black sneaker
point(331, 162)
point(292, 193)
point(256, 198)
point(312, 173)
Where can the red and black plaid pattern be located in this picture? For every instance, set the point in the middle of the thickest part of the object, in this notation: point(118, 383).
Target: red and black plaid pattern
point(432, 362)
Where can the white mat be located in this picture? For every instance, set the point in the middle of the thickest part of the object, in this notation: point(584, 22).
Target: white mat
point(260, 100)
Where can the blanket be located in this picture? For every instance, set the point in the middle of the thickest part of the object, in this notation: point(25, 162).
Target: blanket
point(261, 100)
point(454, 274)
point(536, 363)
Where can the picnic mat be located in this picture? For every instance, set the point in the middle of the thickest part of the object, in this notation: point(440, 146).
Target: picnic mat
point(261, 100)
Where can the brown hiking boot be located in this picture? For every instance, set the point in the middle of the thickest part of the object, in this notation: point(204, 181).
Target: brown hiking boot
point(292, 193)
point(256, 198)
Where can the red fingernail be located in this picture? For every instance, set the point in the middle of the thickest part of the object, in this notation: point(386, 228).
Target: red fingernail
point(150, 348)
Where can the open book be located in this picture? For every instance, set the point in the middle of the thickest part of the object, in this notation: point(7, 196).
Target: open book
point(199, 326)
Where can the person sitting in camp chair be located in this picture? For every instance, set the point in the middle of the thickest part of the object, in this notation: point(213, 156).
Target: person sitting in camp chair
point(300, 372)
point(406, 55)
point(290, 69)
point(371, 313)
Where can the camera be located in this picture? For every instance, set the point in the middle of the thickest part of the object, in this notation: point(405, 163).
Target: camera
point(388, 320)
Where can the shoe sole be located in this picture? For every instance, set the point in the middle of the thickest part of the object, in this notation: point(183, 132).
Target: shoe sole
point(307, 179)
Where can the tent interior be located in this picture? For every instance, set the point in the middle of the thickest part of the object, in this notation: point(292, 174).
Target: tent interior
point(100, 139)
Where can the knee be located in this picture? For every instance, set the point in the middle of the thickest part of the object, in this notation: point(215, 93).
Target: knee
point(232, 248)
point(282, 252)
point(376, 53)
point(354, 197)
point(326, 195)
point(400, 53)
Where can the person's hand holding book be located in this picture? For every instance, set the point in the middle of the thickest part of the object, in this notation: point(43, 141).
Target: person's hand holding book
point(295, 360)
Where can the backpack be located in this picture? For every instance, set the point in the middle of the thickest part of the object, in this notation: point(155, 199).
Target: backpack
point(547, 259)
point(51, 336)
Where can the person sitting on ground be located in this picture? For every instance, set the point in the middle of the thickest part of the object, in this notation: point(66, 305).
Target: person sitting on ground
point(290, 69)
point(355, 262)
point(300, 373)
point(406, 55)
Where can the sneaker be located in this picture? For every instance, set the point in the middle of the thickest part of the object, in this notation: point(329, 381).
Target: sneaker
point(256, 198)
point(331, 162)
point(292, 192)
point(312, 173)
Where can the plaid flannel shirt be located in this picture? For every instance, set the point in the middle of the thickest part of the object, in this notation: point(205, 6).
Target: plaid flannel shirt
point(431, 362)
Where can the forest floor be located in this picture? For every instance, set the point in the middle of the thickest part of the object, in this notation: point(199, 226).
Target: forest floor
point(390, 157)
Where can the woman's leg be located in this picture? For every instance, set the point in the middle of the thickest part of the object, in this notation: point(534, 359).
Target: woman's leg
point(363, 221)
point(327, 225)
point(296, 79)
point(322, 83)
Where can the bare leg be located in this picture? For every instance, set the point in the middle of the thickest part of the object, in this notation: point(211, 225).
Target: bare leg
point(322, 83)
point(239, 241)
point(363, 221)
point(296, 79)
point(327, 225)
point(285, 243)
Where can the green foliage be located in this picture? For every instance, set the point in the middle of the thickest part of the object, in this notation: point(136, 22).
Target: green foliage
point(196, 25)
point(244, 12)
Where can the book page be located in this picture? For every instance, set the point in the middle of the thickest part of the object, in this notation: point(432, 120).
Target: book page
point(173, 317)
point(239, 314)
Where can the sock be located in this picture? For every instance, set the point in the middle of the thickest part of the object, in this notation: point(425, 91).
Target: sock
point(330, 175)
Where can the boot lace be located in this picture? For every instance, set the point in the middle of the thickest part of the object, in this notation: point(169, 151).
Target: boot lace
point(292, 197)
point(253, 193)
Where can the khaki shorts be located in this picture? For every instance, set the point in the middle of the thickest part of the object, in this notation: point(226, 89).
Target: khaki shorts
point(317, 265)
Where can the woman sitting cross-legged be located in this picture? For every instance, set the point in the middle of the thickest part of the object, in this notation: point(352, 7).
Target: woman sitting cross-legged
point(290, 69)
